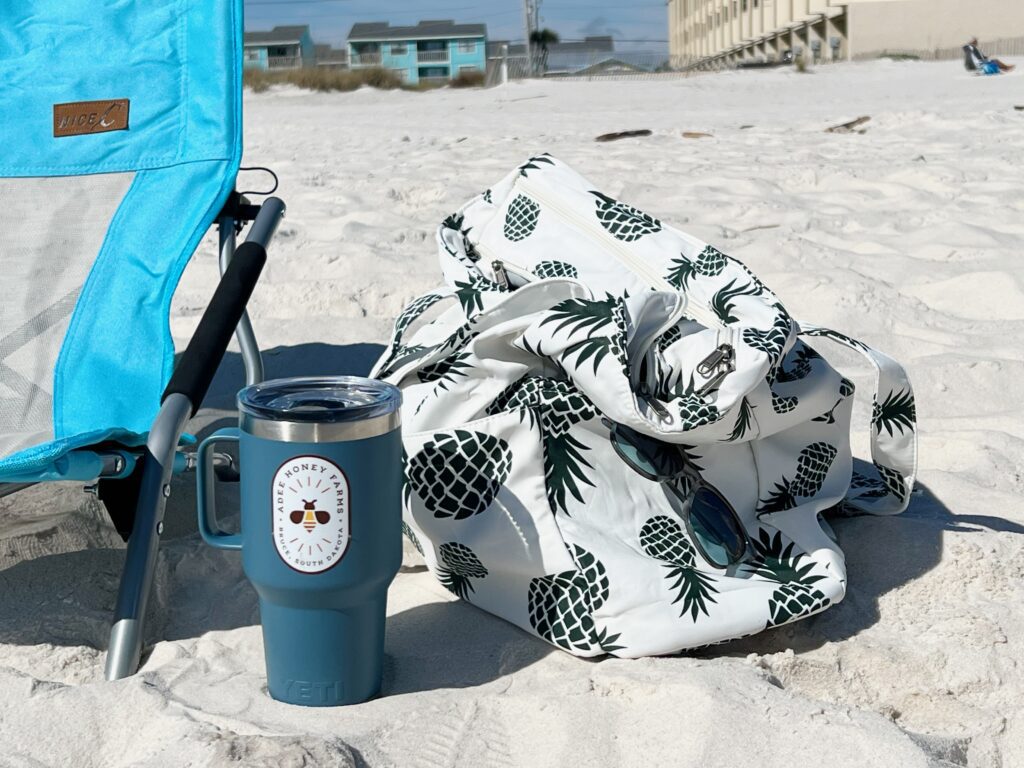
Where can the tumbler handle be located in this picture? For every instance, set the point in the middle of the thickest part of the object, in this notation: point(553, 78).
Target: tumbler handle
point(206, 479)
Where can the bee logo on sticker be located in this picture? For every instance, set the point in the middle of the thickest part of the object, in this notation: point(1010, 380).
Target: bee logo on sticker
point(312, 524)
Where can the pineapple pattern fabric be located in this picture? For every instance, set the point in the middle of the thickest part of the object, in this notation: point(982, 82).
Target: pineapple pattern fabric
point(458, 474)
point(515, 492)
point(796, 594)
point(460, 566)
point(812, 466)
point(558, 407)
point(554, 268)
point(664, 539)
point(624, 222)
point(522, 218)
point(709, 263)
point(562, 605)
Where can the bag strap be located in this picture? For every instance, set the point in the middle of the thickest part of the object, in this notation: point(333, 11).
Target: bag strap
point(893, 432)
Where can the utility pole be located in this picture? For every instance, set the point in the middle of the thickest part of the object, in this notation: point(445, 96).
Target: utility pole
point(528, 19)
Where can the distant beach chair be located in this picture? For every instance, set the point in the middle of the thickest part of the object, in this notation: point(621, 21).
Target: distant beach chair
point(121, 145)
point(969, 63)
point(977, 62)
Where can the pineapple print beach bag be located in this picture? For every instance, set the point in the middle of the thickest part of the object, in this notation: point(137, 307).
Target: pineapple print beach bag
point(567, 314)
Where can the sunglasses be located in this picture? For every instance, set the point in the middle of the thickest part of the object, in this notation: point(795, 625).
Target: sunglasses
point(712, 523)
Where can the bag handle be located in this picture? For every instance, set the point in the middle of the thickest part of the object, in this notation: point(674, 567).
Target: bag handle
point(893, 431)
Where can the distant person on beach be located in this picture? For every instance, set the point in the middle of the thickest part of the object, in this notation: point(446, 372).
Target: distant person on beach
point(976, 61)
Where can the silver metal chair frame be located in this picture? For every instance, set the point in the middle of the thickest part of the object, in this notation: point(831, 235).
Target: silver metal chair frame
point(158, 457)
point(126, 634)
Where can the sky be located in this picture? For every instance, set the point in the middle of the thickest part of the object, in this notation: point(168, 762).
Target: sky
point(330, 20)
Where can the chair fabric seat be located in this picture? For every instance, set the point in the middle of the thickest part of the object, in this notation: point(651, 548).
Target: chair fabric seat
point(97, 227)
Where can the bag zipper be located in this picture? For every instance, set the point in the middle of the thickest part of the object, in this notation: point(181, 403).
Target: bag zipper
point(503, 272)
point(715, 367)
point(500, 275)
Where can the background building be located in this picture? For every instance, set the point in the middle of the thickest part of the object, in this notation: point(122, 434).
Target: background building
point(280, 48)
point(432, 50)
point(331, 58)
point(591, 57)
point(727, 31)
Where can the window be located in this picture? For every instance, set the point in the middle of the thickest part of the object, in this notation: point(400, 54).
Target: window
point(252, 55)
point(467, 46)
point(399, 49)
point(467, 68)
point(434, 73)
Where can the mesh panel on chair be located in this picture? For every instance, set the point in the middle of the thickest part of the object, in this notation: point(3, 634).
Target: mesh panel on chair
point(51, 230)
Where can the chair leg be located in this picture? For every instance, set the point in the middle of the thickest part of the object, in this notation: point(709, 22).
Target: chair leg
point(191, 379)
point(126, 634)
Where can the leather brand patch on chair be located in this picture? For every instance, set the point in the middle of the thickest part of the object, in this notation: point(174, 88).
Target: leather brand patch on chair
point(78, 118)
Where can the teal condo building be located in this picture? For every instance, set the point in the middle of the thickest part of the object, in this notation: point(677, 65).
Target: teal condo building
point(429, 51)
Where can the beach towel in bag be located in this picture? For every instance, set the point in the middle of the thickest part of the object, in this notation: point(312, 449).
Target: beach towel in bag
point(570, 315)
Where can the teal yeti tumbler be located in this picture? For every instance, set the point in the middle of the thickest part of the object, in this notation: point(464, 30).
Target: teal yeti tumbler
point(321, 483)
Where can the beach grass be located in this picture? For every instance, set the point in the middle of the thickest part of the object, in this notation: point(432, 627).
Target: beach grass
point(320, 79)
point(324, 80)
point(469, 79)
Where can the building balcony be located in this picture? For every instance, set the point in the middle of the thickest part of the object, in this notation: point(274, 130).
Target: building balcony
point(366, 59)
point(432, 57)
point(284, 62)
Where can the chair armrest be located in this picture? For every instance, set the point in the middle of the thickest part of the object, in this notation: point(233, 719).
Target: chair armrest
point(197, 366)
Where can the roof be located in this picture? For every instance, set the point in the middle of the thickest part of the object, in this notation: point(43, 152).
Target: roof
point(434, 28)
point(610, 66)
point(293, 34)
point(582, 64)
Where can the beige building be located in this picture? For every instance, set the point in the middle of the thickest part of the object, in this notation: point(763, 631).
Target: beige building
point(729, 31)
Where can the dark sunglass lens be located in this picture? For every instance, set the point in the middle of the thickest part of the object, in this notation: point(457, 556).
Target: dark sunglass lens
point(648, 456)
point(716, 527)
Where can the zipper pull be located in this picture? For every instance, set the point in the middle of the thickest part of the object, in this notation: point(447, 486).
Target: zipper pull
point(648, 397)
point(716, 366)
point(501, 274)
point(710, 363)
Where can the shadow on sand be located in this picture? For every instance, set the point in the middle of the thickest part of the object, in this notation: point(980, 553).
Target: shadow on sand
point(882, 554)
point(66, 598)
point(453, 645)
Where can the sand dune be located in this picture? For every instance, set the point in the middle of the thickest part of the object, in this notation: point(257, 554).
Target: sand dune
point(910, 236)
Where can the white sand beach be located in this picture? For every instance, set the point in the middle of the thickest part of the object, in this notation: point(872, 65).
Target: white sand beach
point(909, 236)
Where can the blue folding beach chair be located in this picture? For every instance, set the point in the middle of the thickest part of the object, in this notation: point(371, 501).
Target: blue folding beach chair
point(122, 135)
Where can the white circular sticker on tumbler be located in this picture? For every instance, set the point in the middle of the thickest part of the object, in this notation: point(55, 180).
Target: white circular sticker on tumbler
point(312, 526)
